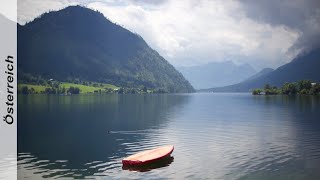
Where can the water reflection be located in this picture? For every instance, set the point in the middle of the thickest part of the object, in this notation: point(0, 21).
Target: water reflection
point(295, 133)
point(67, 136)
point(164, 162)
point(216, 136)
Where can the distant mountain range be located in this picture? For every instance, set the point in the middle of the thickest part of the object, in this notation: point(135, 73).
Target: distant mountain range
point(77, 42)
point(216, 74)
point(306, 66)
point(260, 73)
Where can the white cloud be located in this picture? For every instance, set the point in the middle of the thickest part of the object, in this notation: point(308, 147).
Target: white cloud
point(194, 33)
point(28, 9)
point(191, 32)
point(8, 8)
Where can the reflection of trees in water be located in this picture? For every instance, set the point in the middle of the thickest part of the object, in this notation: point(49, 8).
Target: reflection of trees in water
point(75, 128)
point(295, 102)
point(299, 108)
point(301, 113)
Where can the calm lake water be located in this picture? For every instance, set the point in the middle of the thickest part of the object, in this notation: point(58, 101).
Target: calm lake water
point(216, 136)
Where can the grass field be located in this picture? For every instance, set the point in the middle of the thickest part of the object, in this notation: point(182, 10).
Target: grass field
point(87, 89)
point(37, 88)
point(83, 89)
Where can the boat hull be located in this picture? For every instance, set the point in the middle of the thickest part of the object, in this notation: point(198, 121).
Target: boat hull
point(148, 156)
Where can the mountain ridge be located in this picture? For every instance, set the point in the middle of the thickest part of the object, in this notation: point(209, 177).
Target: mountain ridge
point(77, 42)
point(303, 67)
point(263, 72)
point(216, 74)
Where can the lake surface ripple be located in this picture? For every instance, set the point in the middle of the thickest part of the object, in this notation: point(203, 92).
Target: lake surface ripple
point(216, 136)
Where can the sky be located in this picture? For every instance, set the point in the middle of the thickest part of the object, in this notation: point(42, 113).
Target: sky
point(194, 32)
point(8, 9)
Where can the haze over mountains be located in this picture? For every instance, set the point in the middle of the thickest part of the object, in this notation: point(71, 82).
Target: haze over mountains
point(77, 42)
point(303, 67)
point(216, 74)
point(260, 73)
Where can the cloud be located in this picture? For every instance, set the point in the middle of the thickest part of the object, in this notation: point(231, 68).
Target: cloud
point(148, 2)
point(197, 32)
point(28, 9)
point(302, 16)
point(261, 33)
point(8, 8)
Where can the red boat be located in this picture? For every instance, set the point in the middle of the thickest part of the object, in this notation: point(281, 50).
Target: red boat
point(149, 156)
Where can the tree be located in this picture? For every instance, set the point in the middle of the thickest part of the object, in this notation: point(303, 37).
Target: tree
point(55, 84)
point(133, 91)
point(32, 91)
point(50, 90)
point(160, 91)
point(62, 90)
point(42, 82)
point(256, 91)
point(267, 86)
point(304, 91)
point(315, 89)
point(301, 87)
point(76, 81)
point(145, 89)
point(121, 91)
point(267, 89)
point(304, 84)
point(25, 90)
point(108, 90)
point(74, 90)
point(289, 88)
point(272, 91)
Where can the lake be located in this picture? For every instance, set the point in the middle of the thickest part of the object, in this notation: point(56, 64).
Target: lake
point(216, 136)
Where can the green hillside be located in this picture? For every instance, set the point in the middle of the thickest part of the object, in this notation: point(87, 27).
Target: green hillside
point(79, 43)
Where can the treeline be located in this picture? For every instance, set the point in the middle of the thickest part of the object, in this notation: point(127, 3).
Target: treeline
point(56, 87)
point(27, 78)
point(75, 90)
point(49, 90)
point(305, 87)
point(36, 84)
point(140, 91)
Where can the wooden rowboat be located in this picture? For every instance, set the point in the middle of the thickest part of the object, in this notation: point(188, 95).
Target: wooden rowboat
point(148, 156)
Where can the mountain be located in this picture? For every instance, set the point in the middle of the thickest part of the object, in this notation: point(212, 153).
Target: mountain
point(304, 66)
point(260, 73)
point(77, 42)
point(216, 74)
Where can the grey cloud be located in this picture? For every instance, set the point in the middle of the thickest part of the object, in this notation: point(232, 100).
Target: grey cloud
point(201, 31)
point(148, 2)
point(300, 15)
